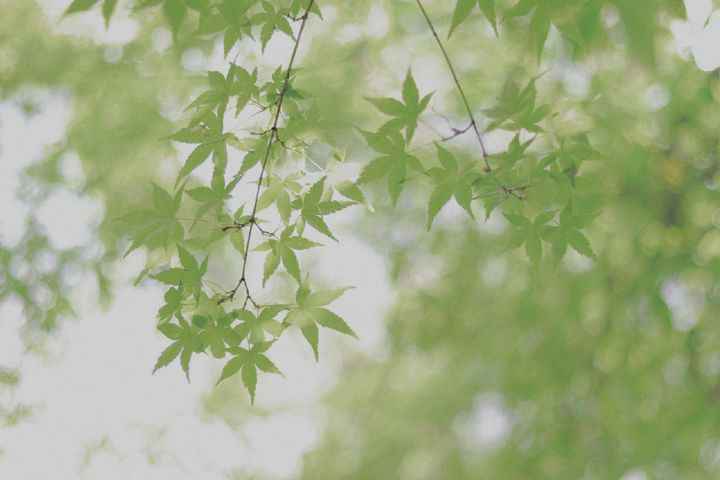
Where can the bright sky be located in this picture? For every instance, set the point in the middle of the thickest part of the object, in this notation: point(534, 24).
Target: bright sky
point(97, 411)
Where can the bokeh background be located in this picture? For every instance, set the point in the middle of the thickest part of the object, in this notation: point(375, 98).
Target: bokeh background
point(470, 364)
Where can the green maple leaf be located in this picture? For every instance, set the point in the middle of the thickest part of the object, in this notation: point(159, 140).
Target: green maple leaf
point(463, 9)
point(187, 342)
point(243, 85)
point(189, 277)
point(248, 362)
point(309, 312)
point(450, 181)
point(206, 131)
point(270, 20)
point(256, 327)
point(394, 162)
point(80, 6)
point(568, 233)
point(156, 227)
point(406, 113)
point(517, 108)
point(313, 209)
point(280, 192)
point(282, 250)
point(530, 233)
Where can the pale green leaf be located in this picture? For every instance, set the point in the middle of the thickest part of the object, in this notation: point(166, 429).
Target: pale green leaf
point(266, 365)
point(175, 11)
point(388, 106)
point(410, 93)
point(272, 261)
point(321, 298)
point(319, 224)
point(299, 243)
point(290, 262)
point(311, 334)
point(249, 378)
point(168, 355)
point(350, 190)
point(196, 158)
point(232, 367)
point(533, 247)
point(439, 197)
point(80, 6)
point(580, 243)
point(330, 320)
point(108, 8)
point(462, 11)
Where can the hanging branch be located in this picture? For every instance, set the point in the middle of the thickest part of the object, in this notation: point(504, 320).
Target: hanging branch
point(458, 85)
point(273, 131)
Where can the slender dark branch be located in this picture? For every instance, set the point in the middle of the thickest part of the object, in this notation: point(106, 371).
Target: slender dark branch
point(519, 192)
point(456, 133)
point(271, 141)
point(461, 90)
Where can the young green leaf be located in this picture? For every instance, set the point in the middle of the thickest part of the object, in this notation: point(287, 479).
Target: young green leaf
point(108, 8)
point(266, 365)
point(249, 378)
point(175, 11)
point(272, 261)
point(168, 355)
point(462, 11)
point(290, 262)
point(311, 334)
point(232, 367)
point(438, 198)
point(405, 114)
point(350, 190)
point(321, 298)
point(196, 158)
point(328, 319)
point(80, 6)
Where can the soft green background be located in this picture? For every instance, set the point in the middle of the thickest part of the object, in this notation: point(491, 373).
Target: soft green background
point(589, 369)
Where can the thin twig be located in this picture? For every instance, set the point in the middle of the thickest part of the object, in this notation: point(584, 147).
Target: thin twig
point(271, 141)
point(473, 122)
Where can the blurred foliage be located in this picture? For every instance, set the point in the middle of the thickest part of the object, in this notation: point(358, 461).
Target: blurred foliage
point(586, 369)
point(576, 321)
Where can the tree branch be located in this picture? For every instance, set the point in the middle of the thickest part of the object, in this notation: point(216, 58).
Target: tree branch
point(271, 141)
point(461, 90)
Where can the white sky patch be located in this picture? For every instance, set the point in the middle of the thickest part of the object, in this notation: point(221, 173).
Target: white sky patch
point(23, 140)
point(635, 474)
point(11, 345)
point(486, 426)
point(378, 22)
point(161, 39)
point(194, 60)
point(576, 262)
point(91, 25)
point(699, 36)
point(69, 219)
point(96, 388)
point(495, 272)
point(657, 97)
point(97, 384)
point(71, 170)
point(686, 304)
